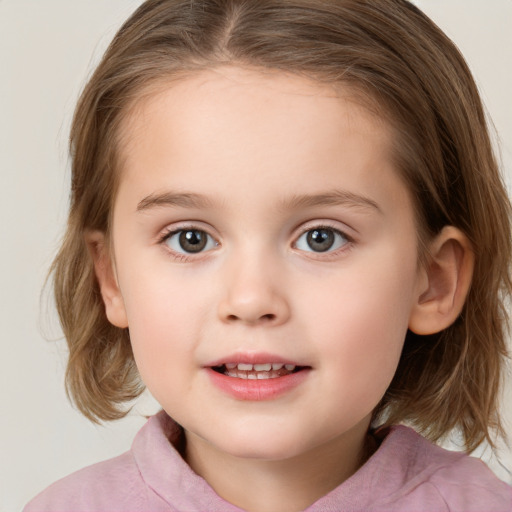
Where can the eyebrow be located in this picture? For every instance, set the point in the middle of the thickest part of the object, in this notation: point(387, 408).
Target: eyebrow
point(331, 198)
point(184, 200)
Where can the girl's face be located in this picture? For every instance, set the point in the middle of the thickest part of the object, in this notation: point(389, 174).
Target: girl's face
point(260, 223)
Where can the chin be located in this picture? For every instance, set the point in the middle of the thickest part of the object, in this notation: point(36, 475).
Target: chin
point(261, 445)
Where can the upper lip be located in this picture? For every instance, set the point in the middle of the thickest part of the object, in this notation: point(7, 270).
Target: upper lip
point(251, 358)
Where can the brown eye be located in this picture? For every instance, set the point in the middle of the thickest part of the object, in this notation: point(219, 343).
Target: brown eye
point(190, 241)
point(321, 239)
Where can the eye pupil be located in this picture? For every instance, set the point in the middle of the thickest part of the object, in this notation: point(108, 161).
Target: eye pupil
point(320, 240)
point(193, 240)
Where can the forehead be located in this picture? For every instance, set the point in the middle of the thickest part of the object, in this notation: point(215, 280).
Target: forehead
point(233, 94)
point(272, 128)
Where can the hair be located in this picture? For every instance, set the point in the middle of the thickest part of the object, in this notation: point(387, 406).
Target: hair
point(415, 77)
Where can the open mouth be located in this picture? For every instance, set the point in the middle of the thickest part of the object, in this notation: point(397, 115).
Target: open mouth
point(257, 371)
point(258, 380)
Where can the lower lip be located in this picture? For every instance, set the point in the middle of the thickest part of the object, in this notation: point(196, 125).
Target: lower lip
point(257, 389)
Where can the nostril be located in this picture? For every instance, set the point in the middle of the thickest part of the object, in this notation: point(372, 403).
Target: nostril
point(269, 317)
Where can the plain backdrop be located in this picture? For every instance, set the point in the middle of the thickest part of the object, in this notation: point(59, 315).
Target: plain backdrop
point(47, 50)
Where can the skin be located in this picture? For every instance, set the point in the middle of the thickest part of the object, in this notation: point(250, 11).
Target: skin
point(261, 152)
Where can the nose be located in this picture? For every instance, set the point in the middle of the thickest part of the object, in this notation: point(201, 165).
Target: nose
point(253, 293)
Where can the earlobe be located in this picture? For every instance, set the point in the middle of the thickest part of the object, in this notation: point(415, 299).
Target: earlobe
point(445, 282)
point(105, 274)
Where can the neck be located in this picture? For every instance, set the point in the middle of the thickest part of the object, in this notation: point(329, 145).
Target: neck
point(287, 485)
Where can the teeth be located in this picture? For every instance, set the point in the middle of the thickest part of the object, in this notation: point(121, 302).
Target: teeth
point(253, 376)
point(260, 368)
point(263, 367)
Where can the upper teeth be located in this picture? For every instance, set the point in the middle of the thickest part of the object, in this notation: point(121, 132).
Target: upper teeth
point(266, 367)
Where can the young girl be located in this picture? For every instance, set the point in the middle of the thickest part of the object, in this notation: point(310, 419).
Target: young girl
point(288, 223)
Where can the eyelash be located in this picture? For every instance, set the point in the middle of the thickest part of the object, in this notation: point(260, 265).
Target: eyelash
point(188, 256)
point(346, 245)
point(183, 256)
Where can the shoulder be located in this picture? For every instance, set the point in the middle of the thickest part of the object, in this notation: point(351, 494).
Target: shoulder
point(451, 481)
point(108, 485)
point(467, 484)
point(133, 481)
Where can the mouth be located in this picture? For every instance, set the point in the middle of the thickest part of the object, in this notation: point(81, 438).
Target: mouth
point(257, 377)
point(262, 371)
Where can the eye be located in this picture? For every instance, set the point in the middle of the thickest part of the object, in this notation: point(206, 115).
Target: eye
point(321, 239)
point(190, 241)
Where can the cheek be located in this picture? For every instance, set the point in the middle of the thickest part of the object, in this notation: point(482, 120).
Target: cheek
point(361, 321)
point(161, 302)
point(164, 324)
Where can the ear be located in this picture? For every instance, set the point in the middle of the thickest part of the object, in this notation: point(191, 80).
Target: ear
point(445, 282)
point(105, 273)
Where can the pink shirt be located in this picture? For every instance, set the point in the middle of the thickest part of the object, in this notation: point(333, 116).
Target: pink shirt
point(406, 473)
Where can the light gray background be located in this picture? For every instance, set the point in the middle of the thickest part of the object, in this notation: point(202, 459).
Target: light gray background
point(47, 50)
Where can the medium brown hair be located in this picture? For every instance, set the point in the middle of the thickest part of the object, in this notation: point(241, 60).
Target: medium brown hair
point(407, 69)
